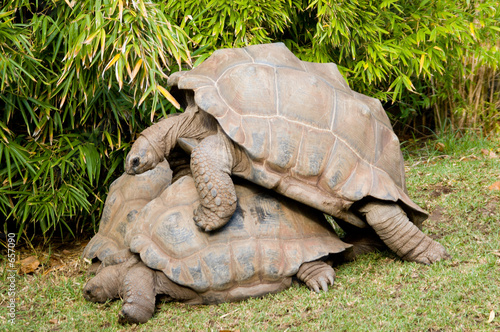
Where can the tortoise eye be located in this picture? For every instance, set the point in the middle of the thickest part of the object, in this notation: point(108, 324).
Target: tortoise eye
point(135, 162)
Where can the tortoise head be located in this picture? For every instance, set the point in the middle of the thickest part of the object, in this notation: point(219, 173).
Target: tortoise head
point(142, 157)
point(104, 285)
point(94, 292)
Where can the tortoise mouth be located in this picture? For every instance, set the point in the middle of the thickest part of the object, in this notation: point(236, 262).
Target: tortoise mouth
point(132, 164)
point(135, 165)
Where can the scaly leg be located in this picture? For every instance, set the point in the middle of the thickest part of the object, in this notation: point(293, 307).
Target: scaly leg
point(404, 238)
point(211, 164)
point(139, 295)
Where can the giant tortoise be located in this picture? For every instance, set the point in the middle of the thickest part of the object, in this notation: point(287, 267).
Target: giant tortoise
point(268, 240)
point(293, 126)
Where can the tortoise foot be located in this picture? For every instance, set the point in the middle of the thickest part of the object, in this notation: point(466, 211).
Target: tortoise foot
point(434, 252)
point(208, 220)
point(133, 314)
point(393, 226)
point(317, 275)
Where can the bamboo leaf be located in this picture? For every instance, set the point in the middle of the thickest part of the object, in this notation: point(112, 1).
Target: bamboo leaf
point(112, 62)
point(422, 59)
point(91, 37)
point(169, 97)
point(136, 70)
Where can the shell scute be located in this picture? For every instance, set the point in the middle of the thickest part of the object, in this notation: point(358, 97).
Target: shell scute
point(196, 274)
point(274, 55)
point(220, 61)
point(218, 262)
point(349, 123)
point(245, 260)
point(249, 89)
point(256, 139)
point(172, 229)
point(285, 143)
point(356, 186)
point(272, 260)
point(304, 98)
point(330, 73)
point(339, 167)
point(314, 152)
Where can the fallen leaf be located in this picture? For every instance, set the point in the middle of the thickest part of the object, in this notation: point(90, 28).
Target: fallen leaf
point(485, 152)
point(492, 316)
point(28, 265)
point(53, 321)
point(440, 146)
point(495, 186)
point(493, 155)
point(66, 252)
point(468, 158)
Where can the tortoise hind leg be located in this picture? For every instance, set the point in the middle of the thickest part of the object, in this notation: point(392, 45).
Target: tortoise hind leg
point(211, 164)
point(404, 238)
point(316, 274)
point(176, 292)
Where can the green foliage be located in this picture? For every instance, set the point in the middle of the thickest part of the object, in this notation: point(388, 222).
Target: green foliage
point(79, 79)
point(424, 57)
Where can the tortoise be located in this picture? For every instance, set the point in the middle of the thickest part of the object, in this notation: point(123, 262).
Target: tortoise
point(127, 195)
point(296, 127)
point(268, 240)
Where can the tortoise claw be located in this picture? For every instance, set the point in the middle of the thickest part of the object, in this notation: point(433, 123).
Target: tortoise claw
point(331, 279)
point(324, 284)
point(317, 275)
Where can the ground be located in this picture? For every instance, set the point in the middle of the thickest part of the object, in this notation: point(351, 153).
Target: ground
point(376, 292)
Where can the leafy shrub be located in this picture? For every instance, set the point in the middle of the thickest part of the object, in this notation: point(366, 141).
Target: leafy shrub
point(77, 83)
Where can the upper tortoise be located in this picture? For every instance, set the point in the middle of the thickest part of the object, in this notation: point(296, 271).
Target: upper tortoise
point(296, 127)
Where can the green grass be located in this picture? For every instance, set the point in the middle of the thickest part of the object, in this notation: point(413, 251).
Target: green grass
point(376, 292)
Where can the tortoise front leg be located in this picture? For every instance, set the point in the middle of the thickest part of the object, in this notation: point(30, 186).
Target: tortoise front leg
point(316, 274)
point(211, 164)
point(139, 295)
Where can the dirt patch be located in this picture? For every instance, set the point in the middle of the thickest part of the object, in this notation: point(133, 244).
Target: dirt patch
point(438, 215)
point(59, 256)
point(440, 190)
point(492, 208)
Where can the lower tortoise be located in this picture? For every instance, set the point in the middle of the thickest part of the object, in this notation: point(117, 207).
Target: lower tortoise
point(268, 240)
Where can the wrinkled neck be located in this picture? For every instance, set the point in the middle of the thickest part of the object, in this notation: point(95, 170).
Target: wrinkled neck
point(163, 135)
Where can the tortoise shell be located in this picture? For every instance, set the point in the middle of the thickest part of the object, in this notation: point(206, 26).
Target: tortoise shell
point(127, 195)
point(306, 133)
point(264, 243)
